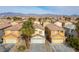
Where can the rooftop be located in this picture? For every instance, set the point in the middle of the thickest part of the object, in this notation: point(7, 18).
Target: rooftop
point(4, 24)
point(38, 26)
point(54, 27)
point(15, 27)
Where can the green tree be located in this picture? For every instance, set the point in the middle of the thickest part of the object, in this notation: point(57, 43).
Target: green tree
point(27, 30)
point(32, 19)
point(73, 42)
point(17, 18)
point(21, 48)
point(77, 27)
point(67, 18)
point(9, 18)
point(41, 21)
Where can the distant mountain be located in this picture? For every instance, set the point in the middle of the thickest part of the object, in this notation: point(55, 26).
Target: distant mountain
point(11, 14)
point(20, 14)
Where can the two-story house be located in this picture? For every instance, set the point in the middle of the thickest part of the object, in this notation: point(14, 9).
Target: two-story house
point(70, 29)
point(3, 25)
point(38, 36)
point(54, 33)
point(12, 34)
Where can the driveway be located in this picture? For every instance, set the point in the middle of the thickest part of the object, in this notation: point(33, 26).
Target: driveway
point(37, 47)
point(5, 47)
point(62, 48)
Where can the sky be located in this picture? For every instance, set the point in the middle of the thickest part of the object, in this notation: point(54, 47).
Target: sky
point(59, 10)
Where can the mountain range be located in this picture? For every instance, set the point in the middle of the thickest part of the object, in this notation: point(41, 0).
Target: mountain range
point(21, 14)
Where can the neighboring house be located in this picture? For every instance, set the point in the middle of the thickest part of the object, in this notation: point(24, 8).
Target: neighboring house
point(1, 34)
point(10, 38)
point(12, 34)
point(36, 22)
point(39, 29)
point(54, 33)
point(38, 39)
point(46, 23)
point(3, 25)
point(38, 36)
point(70, 29)
point(58, 23)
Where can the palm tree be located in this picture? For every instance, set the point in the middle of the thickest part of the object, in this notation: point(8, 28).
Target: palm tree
point(27, 30)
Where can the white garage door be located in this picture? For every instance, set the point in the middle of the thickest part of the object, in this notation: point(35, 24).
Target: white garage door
point(11, 41)
point(37, 40)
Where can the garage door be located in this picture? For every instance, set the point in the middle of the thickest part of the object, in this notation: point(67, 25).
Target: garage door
point(11, 41)
point(37, 40)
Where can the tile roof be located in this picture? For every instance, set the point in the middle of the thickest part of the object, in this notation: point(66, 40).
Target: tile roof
point(15, 27)
point(38, 35)
point(38, 26)
point(5, 25)
point(54, 27)
point(11, 35)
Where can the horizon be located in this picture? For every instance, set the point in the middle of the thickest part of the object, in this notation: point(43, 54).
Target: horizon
point(55, 10)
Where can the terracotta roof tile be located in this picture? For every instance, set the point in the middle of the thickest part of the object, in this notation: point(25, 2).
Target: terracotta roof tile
point(54, 27)
point(15, 27)
point(38, 26)
point(5, 25)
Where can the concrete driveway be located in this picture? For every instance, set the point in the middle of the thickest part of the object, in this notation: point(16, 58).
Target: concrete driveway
point(37, 47)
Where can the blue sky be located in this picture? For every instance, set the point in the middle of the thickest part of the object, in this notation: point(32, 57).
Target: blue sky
point(60, 10)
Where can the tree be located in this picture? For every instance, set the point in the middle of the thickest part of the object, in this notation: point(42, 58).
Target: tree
point(73, 42)
point(27, 30)
point(17, 18)
point(32, 19)
point(21, 48)
point(67, 18)
point(77, 27)
point(9, 18)
point(41, 21)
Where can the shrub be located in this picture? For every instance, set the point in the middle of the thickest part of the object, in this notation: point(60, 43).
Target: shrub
point(74, 42)
point(21, 48)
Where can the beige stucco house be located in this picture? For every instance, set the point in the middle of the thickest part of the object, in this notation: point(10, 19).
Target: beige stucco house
point(12, 33)
point(58, 23)
point(38, 36)
point(54, 33)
